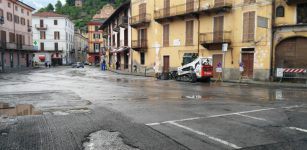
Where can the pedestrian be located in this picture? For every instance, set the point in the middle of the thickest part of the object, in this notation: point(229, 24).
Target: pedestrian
point(49, 64)
point(46, 64)
point(103, 65)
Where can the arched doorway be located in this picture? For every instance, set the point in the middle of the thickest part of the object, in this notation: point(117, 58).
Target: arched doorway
point(291, 53)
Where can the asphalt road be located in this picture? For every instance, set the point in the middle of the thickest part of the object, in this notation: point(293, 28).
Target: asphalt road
point(149, 114)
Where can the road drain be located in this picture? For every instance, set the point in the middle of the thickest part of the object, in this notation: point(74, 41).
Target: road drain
point(19, 110)
point(105, 140)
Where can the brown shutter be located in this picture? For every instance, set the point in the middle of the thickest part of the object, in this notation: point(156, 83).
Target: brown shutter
point(142, 11)
point(166, 7)
point(218, 29)
point(189, 32)
point(1, 12)
point(189, 5)
point(166, 35)
point(218, 3)
point(251, 28)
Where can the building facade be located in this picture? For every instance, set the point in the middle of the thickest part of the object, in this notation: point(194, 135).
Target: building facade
point(15, 35)
point(80, 47)
point(117, 38)
point(95, 42)
point(290, 34)
point(53, 34)
point(167, 33)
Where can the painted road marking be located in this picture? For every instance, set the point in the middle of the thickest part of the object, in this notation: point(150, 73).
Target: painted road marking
point(298, 129)
point(222, 115)
point(206, 135)
point(256, 118)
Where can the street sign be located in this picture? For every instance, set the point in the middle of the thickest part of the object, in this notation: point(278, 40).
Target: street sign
point(279, 72)
point(225, 47)
point(35, 43)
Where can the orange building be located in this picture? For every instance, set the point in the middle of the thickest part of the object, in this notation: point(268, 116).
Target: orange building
point(95, 42)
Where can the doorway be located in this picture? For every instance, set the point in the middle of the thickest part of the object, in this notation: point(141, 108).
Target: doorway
point(217, 58)
point(165, 64)
point(248, 62)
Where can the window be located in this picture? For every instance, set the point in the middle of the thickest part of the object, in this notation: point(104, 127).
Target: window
point(9, 4)
point(55, 22)
point(9, 17)
point(96, 28)
point(16, 8)
point(56, 35)
point(28, 13)
point(249, 1)
point(16, 18)
point(189, 32)
point(28, 23)
point(96, 47)
point(248, 26)
point(11, 37)
point(1, 13)
point(22, 10)
point(142, 58)
point(56, 46)
point(42, 35)
point(166, 35)
point(42, 46)
point(23, 21)
point(96, 36)
point(302, 13)
point(280, 11)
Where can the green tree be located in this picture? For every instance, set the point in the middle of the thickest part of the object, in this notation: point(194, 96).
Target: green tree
point(70, 2)
point(50, 7)
point(58, 6)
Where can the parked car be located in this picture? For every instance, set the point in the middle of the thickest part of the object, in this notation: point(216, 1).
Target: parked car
point(78, 65)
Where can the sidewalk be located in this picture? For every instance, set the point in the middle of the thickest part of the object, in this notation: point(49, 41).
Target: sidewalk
point(150, 74)
point(263, 83)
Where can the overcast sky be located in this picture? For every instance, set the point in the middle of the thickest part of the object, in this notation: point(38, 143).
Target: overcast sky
point(37, 4)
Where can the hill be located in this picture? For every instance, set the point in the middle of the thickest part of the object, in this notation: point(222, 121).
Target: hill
point(80, 15)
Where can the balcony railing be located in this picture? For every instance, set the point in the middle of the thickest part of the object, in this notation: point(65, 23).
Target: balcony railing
point(177, 10)
point(28, 47)
point(2, 45)
point(123, 21)
point(140, 20)
point(41, 27)
point(213, 40)
point(215, 6)
point(11, 45)
point(116, 28)
point(290, 2)
point(139, 45)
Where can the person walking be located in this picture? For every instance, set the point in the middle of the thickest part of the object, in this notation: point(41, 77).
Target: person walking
point(103, 65)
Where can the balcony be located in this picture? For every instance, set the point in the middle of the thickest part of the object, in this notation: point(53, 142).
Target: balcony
point(28, 47)
point(291, 2)
point(11, 46)
point(116, 28)
point(139, 45)
point(215, 40)
point(123, 22)
point(215, 6)
point(2, 45)
point(181, 11)
point(105, 34)
point(142, 20)
point(41, 27)
point(29, 28)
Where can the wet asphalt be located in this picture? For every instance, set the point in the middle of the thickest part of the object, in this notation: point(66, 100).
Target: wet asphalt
point(149, 113)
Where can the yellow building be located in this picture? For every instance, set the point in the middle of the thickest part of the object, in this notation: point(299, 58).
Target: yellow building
point(167, 31)
point(290, 34)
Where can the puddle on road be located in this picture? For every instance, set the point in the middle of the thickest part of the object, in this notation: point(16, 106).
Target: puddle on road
point(19, 110)
point(105, 140)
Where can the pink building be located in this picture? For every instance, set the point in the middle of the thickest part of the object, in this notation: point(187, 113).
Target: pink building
point(16, 44)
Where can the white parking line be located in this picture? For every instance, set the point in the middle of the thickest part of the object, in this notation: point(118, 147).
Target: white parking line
point(222, 115)
point(206, 135)
point(298, 129)
point(256, 118)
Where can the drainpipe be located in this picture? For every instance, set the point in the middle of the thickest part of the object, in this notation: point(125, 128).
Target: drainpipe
point(198, 32)
point(131, 50)
point(272, 39)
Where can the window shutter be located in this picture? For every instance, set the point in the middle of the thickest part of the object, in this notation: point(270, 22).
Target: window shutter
point(189, 32)
point(166, 35)
point(218, 3)
point(248, 26)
